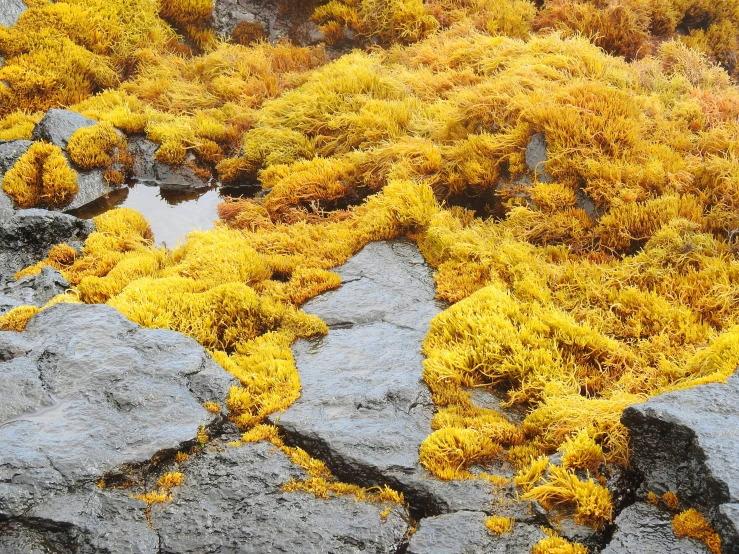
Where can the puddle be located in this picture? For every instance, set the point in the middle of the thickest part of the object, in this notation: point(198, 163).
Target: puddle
point(172, 214)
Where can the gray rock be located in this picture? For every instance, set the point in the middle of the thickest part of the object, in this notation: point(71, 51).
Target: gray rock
point(536, 157)
point(27, 235)
point(465, 533)
point(10, 11)
point(647, 529)
point(34, 290)
point(91, 521)
point(91, 185)
point(10, 152)
point(687, 442)
point(364, 409)
point(293, 23)
point(94, 395)
point(58, 126)
point(147, 169)
point(231, 502)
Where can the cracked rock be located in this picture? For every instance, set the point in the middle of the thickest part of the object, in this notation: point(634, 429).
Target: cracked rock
point(10, 11)
point(233, 499)
point(86, 393)
point(364, 408)
point(27, 236)
point(648, 529)
point(686, 442)
point(34, 290)
point(465, 533)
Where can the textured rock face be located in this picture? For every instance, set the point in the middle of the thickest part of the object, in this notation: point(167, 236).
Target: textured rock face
point(10, 11)
point(147, 169)
point(687, 442)
point(58, 126)
point(27, 235)
point(647, 529)
point(364, 408)
point(536, 157)
point(279, 18)
point(231, 502)
point(35, 290)
point(85, 393)
point(465, 533)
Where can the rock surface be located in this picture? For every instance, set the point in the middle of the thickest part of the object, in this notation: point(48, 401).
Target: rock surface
point(687, 442)
point(278, 18)
point(364, 408)
point(27, 235)
point(10, 11)
point(85, 393)
point(58, 126)
point(147, 169)
point(647, 529)
point(35, 290)
point(465, 533)
point(536, 157)
point(231, 502)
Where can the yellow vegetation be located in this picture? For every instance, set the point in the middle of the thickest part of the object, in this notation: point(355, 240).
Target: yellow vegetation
point(17, 318)
point(170, 480)
point(691, 523)
point(671, 501)
point(499, 525)
point(554, 544)
point(96, 146)
point(41, 176)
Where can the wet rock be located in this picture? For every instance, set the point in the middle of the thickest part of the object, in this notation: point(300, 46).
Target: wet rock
point(232, 502)
point(27, 235)
point(279, 19)
point(364, 408)
point(10, 11)
point(147, 169)
point(91, 186)
point(465, 533)
point(647, 529)
point(94, 395)
point(687, 442)
point(536, 157)
point(34, 290)
point(91, 521)
point(58, 126)
point(10, 152)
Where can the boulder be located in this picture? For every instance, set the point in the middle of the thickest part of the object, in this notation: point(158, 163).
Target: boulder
point(364, 408)
point(34, 290)
point(10, 152)
point(85, 394)
point(293, 23)
point(27, 235)
point(465, 533)
point(687, 442)
point(648, 530)
point(58, 126)
point(231, 502)
point(10, 11)
point(146, 168)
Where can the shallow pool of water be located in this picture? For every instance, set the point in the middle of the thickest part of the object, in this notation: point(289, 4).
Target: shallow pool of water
point(171, 214)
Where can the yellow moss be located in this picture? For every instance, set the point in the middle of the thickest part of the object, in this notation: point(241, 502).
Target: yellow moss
point(96, 146)
point(19, 125)
point(41, 177)
point(213, 407)
point(499, 525)
point(554, 544)
point(671, 501)
point(17, 318)
point(171, 480)
point(530, 475)
point(581, 452)
point(154, 497)
point(202, 435)
point(652, 499)
point(691, 523)
point(448, 453)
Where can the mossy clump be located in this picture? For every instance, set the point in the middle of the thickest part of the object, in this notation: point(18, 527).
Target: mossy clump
point(498, 525)
point(41, 177)
point(98, 146)
point(691, 523)
point(17, 318)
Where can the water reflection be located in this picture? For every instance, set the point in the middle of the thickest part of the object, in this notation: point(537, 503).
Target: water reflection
point(172, 214)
